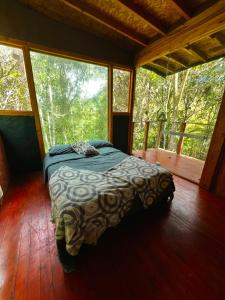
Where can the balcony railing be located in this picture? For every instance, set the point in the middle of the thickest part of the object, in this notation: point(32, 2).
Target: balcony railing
point(191, 139)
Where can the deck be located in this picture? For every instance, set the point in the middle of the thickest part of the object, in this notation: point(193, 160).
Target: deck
point(184, 166)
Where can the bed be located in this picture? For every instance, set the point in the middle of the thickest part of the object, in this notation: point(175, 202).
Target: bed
point(92, 193)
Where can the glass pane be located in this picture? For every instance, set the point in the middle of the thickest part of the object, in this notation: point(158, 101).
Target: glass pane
point(72, 99)
point(14, 94)
point(121, 83)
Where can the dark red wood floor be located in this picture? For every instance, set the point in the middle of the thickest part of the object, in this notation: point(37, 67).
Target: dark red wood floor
point(177, 253)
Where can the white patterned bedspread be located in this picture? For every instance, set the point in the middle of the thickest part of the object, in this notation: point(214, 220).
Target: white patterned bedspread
point(86, 203)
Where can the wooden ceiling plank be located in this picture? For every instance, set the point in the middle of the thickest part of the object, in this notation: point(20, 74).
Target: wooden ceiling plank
point(150, 19)
point(175, 60)
point(151, 68)
point(167, 70)
point(197, 52)
point(181, 8)
point(95, 14)
point(180, 59)
point(219, 37)
point(206, 23)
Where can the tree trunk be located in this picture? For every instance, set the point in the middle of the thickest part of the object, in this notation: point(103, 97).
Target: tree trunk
point(181, 138)
point(176, 100)
point(161, 124)
point(146, 130)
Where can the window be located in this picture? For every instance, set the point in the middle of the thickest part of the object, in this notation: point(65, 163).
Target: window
point(14, 94)
point(72, 99)
point(121, 84)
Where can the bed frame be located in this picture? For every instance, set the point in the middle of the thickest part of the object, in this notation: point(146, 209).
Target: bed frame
point(69, 262)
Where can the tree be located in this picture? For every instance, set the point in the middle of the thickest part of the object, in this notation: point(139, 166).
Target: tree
point(72, 99)
point(14, 93)
point(189, 97)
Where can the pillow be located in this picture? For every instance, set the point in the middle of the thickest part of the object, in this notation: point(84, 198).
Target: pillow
point(60, 149)
point(84, 148)
point(100, 143)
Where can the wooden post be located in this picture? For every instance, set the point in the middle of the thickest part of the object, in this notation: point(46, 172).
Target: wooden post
point(33, 98)
point(131, 108)
point(214, 160)
point(181, 138)
point(159, 134)
point(146, 130)
point(131, 136)
point(110, 103)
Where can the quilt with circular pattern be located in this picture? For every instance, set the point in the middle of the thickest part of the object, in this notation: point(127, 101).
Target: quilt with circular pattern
point(86, 203)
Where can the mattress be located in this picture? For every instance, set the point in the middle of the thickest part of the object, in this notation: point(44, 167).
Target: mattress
point(91, 194)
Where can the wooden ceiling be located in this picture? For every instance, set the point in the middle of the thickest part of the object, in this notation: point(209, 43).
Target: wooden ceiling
point(166, 36)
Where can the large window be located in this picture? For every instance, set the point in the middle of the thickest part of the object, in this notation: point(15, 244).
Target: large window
point(14, 94)
point(72, 99)
point(121, 84)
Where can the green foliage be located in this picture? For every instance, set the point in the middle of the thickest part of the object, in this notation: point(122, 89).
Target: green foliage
point(72, 99)
point(121, 82)
point(191, 96)
point(14, 93)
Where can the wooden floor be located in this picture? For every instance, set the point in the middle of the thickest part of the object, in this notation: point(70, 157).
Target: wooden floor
point(184, 166)
point(175, 253)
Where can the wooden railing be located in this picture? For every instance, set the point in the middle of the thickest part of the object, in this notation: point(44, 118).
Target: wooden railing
point(159, 127)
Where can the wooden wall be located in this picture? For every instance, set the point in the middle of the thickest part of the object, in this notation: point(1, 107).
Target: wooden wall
point(213, 175)
point(20, 22)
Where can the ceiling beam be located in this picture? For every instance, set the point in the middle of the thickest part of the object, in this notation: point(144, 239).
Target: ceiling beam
point(219, 37)
point(179, 59)
point(141, 13)
point(108, 21)
point(182, 8)
point(174, 60)
point(199, 27)
point(161, 68)
point(170, 68)
point(196, 52)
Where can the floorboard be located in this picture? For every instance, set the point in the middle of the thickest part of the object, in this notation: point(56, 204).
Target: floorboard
point(181, 165)
point(174, 253)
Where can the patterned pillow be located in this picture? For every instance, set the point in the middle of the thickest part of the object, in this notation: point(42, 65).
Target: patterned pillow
point(84, 148)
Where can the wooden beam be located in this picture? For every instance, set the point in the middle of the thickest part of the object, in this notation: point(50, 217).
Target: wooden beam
point(33, 98)
point(131, 109)
point(179, 58)
point(199, 27)
point(191, 52)
point(181, 8)
point(219, 37)
point(175, 60)
point(108, 21)
point(150, 19)
point(110, 103)
point(152, 69)
point(161, 68)
point(16, 113)
point(196, 52)
point(216, 146)
point(60, 53)
point(163, 64)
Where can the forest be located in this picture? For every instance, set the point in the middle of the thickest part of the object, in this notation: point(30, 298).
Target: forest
point(180, 110)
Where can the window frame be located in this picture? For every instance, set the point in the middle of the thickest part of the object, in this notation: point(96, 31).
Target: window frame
point(26, 47)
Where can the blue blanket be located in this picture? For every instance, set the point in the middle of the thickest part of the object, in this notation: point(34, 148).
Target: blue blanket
point(107, 158)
